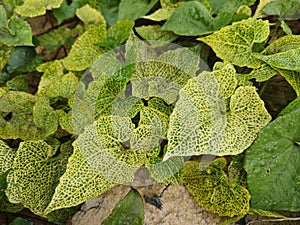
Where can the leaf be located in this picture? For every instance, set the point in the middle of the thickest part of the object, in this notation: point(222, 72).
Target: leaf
point(34, 161)
point(90, 17)
point(265, 213)
point(16, 117)
point(110, 10)
point(17, 33)
point(44, 116)
point(283, 53)
point(229, 6)
point(141, 7)
point(175, 68)
point(6, 157)
point(285, 9)
point(129, 211)
point(211, 189)
point(87, 42)
point(263, 73)
point(234, 43)
point(259, 10)
point(204, 125)
point(54, 38)
point(290, 107)
point(65, 120)
point(153, 32)
point(5, 53)
point(190, 19)
point(20, 221)
point(79, 183)
point(163, 13)
point(118, 33)
point(273, 180)
point(18, 83)
point(65, 87)
point(32, 8)
point(293, 77)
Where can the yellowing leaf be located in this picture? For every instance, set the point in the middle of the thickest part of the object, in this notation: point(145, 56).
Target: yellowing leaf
point(5, 53)
point(32, 8)
point(85, 49)
point(161, 76)
point(161, 14)
point(293, 77)
point(234, 43)
point(35, 174)
point(90, 17)
point(6, 157)
point(200, 123)
point(79, 183)
point(212, 190)
point(154, 32)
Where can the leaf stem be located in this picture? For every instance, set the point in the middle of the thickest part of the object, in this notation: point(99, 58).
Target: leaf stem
point(263, 88)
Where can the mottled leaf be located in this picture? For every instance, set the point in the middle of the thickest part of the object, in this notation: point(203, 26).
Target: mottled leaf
point(273, 180)
point(263, 73)
point(293, 77)
point(134, 9)
point(87, 43)
point(212, 190)
point(32, 8)
point(6, 157)
point(234, 43)
point(90, 17)
point(283, 44)
point(153, 32)
point(35, 174)
point(162, 14)
point(129, 210)
point(44, 116)
point(201, 124)
point(79, 183)
point(5, 53)
point(18, 83)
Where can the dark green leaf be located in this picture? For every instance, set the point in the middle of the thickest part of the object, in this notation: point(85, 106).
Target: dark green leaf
point(272, 165)
point(129, 211)
point(285, 9)
point(20, 221)
point(110, 10)
point(290, 107)
point(19, 83)
point(66, 11)
point(134, 9)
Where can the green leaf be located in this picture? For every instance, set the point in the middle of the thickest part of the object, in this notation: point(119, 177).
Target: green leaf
point(286, 28)
point(18, 83)
point(134, 9)
point(263, 73)
point(110, 10)
point(5, 53)
point(32, 8)
point(153, 32)
point(295, 104)
point(20, 221)
point(44, 116)
point(190, 19)
point(35, 174)
point(293, 77)
point(229, 6)
point(65, 120)
point(204, 125)
point(285, 9)
point(79, 183)
point(283, 53)
point(87, 43)
point(90, 17)
point(129, 211)
point(265, 213)
point(6, 157)
point(234, 43)
point(212, 190)
point(163, 13)
point(54, 38)
point(259, 10)
point(17, 33)
point(118, 33)
point(16, 119)
point(175, 66)
point(273, 180)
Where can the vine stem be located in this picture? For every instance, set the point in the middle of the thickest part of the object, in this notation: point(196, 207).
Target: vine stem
point(274, 220)
point(261, 91)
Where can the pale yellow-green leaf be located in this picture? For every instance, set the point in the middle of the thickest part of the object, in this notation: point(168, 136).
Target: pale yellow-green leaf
point(52, 72)
point(65, 87)
point(44, 116)
point(200, 123)
point(79, 183)
point(33, 8)
point(35, 174)
point(5, 53)
point(161, 14)
point(153, 32)
point(293, 77)
point(85, 49)
point(283, 44)
point(18, 83)
point(6, 157)
point(259, 10)
point(162, 76)
point(234, 43)
point(263, 73)
point(90, 17)
point(212, 190)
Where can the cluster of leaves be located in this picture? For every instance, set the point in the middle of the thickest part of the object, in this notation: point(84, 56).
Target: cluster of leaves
point(100, 113)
